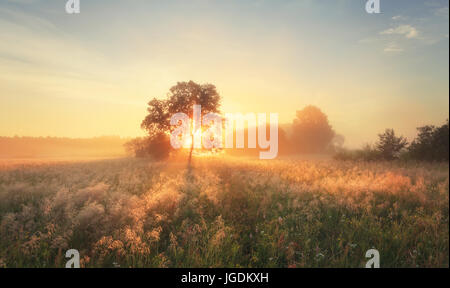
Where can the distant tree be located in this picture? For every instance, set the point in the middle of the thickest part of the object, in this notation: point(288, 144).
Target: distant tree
point(311, 132)
point(431, 144)
point(182, 97)
point(441, 142)
point(390, 145)
point(421, 147)
point(137, 147)
point(157, 147)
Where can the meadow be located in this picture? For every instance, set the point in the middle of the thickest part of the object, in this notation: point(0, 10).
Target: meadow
point(224, 212)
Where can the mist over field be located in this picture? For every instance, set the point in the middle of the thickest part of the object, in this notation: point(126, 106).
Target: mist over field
point(54, 147)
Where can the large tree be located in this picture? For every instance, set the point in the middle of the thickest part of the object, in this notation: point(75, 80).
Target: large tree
point(181, 99)
point(311, 132)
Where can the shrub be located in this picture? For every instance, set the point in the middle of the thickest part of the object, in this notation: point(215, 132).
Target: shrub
point(157, 147)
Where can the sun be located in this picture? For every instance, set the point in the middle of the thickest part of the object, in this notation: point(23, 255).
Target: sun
point(188, 140)
point(201, 152)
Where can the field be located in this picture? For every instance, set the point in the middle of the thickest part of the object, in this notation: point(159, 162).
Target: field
point(224, 212)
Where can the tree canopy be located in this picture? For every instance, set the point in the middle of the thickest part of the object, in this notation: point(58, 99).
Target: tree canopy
point(432, 143)
point(311, 132)
point(390, 145)
point(180, 99)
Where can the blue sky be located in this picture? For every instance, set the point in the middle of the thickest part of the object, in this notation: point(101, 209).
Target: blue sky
point(92, 73)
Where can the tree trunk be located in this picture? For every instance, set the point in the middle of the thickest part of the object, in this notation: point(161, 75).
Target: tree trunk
point(190, 152)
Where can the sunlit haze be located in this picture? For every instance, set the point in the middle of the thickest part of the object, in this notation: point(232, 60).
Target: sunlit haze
point(92, 74)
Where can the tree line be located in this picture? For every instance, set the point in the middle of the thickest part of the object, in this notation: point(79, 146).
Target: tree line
point(309, 133)
point(431, 144)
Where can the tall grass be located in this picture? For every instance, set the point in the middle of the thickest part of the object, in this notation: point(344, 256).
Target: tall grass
point(225, 212)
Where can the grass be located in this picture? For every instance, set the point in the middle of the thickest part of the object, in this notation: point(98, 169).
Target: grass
point(224, 212)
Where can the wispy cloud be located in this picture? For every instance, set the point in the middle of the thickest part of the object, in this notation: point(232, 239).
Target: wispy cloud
point(399, 18)
point(408, 31)
point(393, 48)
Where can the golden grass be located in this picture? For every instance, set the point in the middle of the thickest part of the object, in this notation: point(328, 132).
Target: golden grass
point(224, 212)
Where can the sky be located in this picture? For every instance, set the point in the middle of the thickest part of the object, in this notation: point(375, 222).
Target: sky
point(92, 74)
